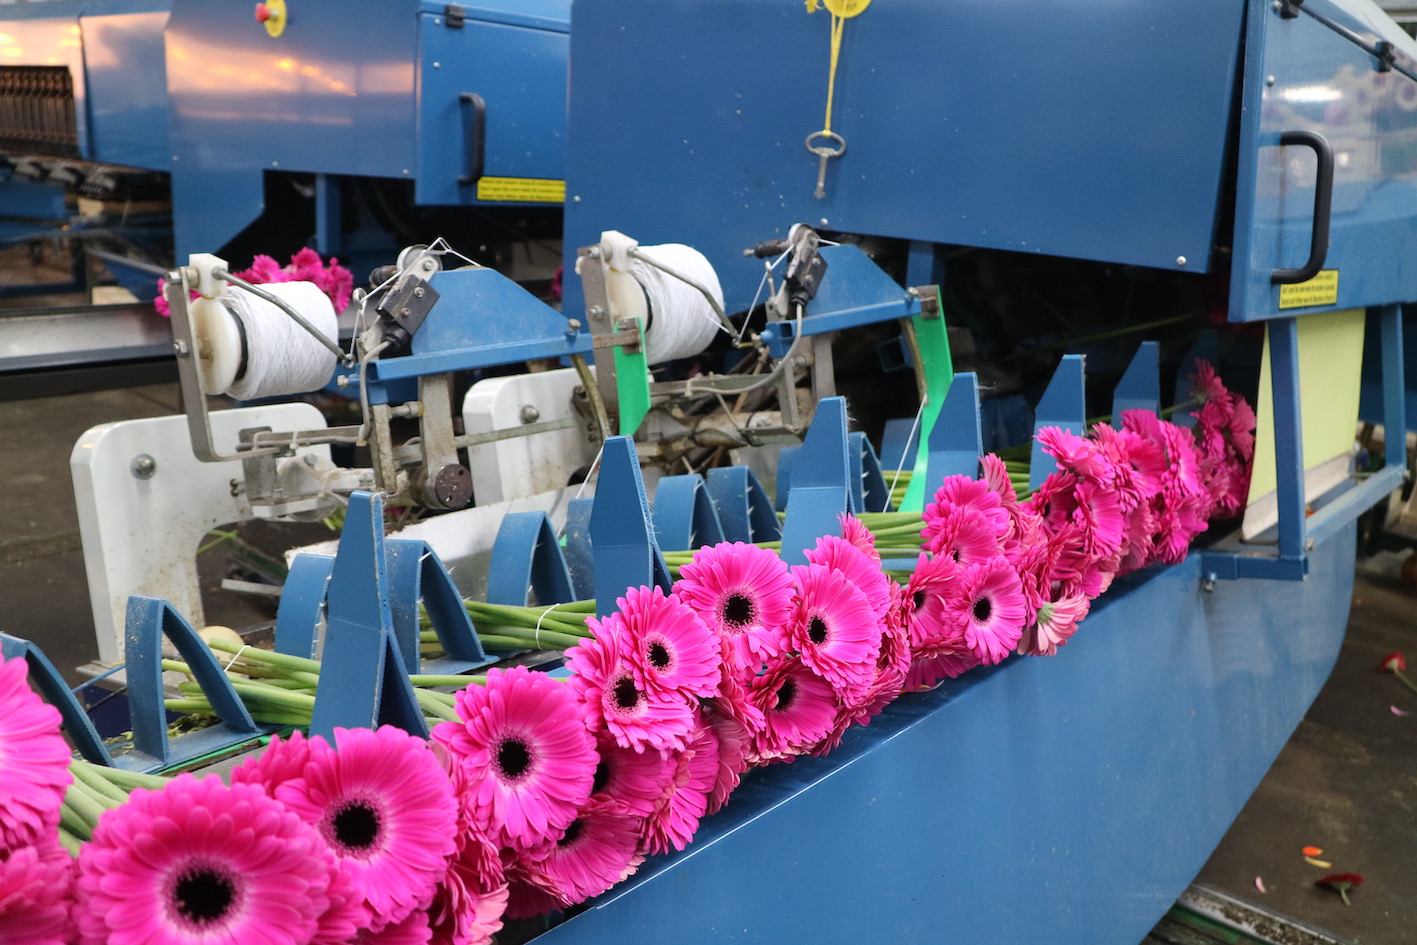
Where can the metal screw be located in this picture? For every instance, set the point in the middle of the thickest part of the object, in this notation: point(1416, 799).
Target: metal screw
point(1180, 260)
point(309, 459)
point(143, 466)
point(418, 292)
point(530, 414)
point(1276, 6)
point(342, 381)
point(1208, 582)
point(1269, 80)
point(275, 164)
point(574, 324)
point(179, 348)
point(826, 222)
point(437, 65)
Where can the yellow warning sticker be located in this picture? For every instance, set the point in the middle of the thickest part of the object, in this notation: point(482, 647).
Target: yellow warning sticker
point(847, 8)
point(1322, 289)
point(521, 190)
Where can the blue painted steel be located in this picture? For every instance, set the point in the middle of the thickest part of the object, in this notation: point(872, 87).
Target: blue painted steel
point(854, 292)
point(149, 620)
point(1288, 441)
point(127, 100)
point(360, 649)
point(684, 514)
point(1370, 403)
point(302, 603)
point(527, 563)
point(966, 124)
point(925, 265)
point(417, 575)
point(744, 507)
point(786, 459)
point(820, 490)
point(56, 692)
point(353, 91)
point(868, 485)
point(899, 443)
point(580, 558)
point(1009, 774)
point(957, 441)
point(621, 537)
point(1063, 405)
point(1140, 386)
point(1394, 363)
point(31, 205)
point(1206, 347)
point(1324, 83)
point(481, 319)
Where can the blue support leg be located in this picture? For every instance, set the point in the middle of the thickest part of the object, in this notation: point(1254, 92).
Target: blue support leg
point(684, 514)
point(956, 440)
point(821, 482)
point(1140, 386)
point(57, 693)
point(622, 539)
point(1394, 386)
point(580, 558)
point(744, 507)
point(1063, 405)
point(1205, 348)
point(869, 492)
point(1288, 435)
point(302, 603)
point(527, 563)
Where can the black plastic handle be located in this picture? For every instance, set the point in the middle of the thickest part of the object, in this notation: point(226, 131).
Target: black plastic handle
point(476, 136)
point(1323, 207)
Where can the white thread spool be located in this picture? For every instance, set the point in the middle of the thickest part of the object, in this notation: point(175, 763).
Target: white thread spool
point(681, 321)
point(280, 357)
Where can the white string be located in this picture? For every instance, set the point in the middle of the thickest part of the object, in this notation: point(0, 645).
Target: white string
point(282, 357)
point(682, 323)
point(766, 280)
point(536, 638)
point(908, 440)
point(595, 464)
point(230, 662)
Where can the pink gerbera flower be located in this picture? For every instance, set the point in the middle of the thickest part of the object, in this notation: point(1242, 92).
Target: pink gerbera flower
point(199, 862)
point(529, 892)
point(990, 606)
point(36, 895)
point(524, 744)
point(995, 474)
point(468, 903)
point(926, 673)
point(1055, 624)
point(735, 743)
point(34, 760)
point(931, 626)
point(799, 709)
point(857, 567)
point(685, 801)
point(859, 535)
point(614, 698)
point(631, 781)
point(384, 806)
point(835, 629)
point(1075, 454)
point(598, 850)
point(282, 760)
point(664, 639)
point(744, 594)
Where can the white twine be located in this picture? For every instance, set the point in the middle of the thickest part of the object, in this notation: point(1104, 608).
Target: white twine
point(681, 320)
point(231, 662)
point(281, 357)
point(905, 456)
point(536, 637)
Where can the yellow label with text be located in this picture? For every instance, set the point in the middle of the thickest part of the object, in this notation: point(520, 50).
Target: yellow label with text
point(847, 8)
point(521, 189)
point(1322, 289)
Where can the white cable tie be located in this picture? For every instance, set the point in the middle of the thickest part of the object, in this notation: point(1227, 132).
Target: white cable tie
point(537, 637)
point(230, 662)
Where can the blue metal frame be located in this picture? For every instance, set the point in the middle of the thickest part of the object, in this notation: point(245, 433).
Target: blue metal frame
point(1064, 404)
point(621, 537)
point(1140, 386)
point(820, 489)
point(956, 442)
point(56, 692)
point(744, 507)
point(526, 562)
point(685, 516)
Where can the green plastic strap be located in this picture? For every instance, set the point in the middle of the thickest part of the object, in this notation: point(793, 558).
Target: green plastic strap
point(632, 384)
point(932, 339)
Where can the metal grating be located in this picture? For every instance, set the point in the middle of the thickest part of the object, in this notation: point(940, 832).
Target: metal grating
point(37, 111)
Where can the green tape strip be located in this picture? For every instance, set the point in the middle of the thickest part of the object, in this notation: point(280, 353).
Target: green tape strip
point(632, 383)
point(932, 337)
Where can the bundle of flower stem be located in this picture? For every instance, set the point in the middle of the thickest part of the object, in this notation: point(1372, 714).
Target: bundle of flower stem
point(95, 789)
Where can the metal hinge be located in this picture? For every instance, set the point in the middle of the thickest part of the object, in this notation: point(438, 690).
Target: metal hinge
point(454, 16)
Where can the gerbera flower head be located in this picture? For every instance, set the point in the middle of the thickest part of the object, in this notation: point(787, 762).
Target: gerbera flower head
point(530, 893)
point(685, 801)
point(799, 709)
point(671, 648)
point(282, 760)
point(1341, 883)
point(933, 628)
point(990, 606)
point(859, 535)
point(464, 914)
point(36, 895)
point(34, 759)
point(628, 780)
point(1054, 625)
point(1075, 454)
point(967, 519)
point(744, 594)
point(928, 672)
point(857, 567)
point(835, 629)
point(1394, 662)
point(995, 474)
point(525, 747)
point(386, 809)
point(735, 744)
point(199, 862)
point(598, 850)
point(614, 698)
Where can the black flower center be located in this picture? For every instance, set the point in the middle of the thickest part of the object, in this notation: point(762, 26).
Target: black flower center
point(658, 655)
point(513, 757)
point(626, 693)
point(203, 895)
point(602, 777)
point(356, 826)
point(817, 630)
point(786, 694)
point(739, 610)
point(919, 599)
point(572, 832)
point(983, 607)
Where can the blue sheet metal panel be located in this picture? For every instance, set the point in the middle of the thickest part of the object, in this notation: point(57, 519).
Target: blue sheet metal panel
point(1094, 130)
point(1062, 800)
point(520, 74)
point(123, 56)
point(1306, 77)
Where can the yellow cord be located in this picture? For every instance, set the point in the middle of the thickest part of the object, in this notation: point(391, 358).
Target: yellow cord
point(838, 24)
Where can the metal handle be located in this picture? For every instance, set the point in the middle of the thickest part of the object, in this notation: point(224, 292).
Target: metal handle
point(476, 136)
point(1323, 207)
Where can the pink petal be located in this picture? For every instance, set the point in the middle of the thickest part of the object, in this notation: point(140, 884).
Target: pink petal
point(1397, 711)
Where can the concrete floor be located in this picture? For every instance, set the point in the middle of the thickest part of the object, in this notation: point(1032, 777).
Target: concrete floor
point(1347, 781)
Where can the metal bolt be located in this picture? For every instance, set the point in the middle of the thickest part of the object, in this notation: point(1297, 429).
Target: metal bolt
point(1180, 260)
point(342, 381)
point(1276, 6)
point(179, 348)
point(418, 292)
point(1208, 582)
point(143, 466)
point(595, 311)
point(310, 459)
point(826, 222)
point(574, 324)
point(275, 164)
point(437, 65)
point(1269, 80)
point(529, 414)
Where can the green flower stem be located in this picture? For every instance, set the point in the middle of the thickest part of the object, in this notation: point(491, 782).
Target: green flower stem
point(531, 617)
point(1343, 894)
point(84, 805)
point(542, 639)
point(502, 644)
point(879, 520)
point(123, 778)
point(268, 657)
point(86, 775)
point(71, 821)
point(434, 681)
point(90, 796)
point(1402, 677)
point(71, 844)
point(434, 707)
